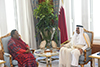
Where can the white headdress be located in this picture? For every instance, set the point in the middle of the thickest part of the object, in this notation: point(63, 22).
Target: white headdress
point(81, 40)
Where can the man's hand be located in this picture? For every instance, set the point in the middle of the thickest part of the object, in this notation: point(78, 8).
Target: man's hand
point(80, 50)
point(27, 51)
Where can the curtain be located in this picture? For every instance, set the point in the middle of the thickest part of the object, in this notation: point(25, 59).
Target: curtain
point(3, 23)
point(31, 26)
point(7, 17)
point(56, 6)
point(56, 11)
point(34, 4)
point(26, 22)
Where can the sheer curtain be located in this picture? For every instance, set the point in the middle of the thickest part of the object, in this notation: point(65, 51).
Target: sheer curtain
point(3, 23)
point(77, 12)
point(7, 18)
point(10, 15)
point(73, 11)
point(26, 22)
point(17, 14)
point(96, 18)
point(76, 9)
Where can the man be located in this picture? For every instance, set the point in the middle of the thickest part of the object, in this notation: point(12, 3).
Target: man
point(69, 53)
point(20, 51)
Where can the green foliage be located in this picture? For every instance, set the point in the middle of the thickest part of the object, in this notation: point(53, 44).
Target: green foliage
point(45, 14)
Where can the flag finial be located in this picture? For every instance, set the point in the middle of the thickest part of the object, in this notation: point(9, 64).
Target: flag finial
point(62, 1)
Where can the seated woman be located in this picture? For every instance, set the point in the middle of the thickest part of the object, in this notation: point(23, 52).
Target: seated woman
point(20, 51)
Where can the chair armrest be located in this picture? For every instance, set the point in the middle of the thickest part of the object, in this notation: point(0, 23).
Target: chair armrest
point(7, 54)
point(8, 58)
point(87, 52)
point(87, 49)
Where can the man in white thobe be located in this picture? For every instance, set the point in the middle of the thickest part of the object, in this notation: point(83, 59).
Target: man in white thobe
point(70, 52)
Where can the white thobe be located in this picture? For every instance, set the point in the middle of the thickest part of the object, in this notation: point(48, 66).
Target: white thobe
point(70, 56)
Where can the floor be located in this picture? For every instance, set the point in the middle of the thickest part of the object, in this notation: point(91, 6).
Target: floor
point(56, 64)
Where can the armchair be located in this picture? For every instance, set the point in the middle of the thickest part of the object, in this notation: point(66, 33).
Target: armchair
point(84, 59)
point(5, 52)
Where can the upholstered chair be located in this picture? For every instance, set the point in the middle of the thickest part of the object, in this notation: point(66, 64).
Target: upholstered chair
point(5, 52)
point(84, 58)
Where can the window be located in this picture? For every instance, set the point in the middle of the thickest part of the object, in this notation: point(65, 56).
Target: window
point(76, 14)
point(96, 18)
point(92, 13)
point(10, 14)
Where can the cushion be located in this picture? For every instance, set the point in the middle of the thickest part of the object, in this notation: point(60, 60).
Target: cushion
point(5, 42)
point(90, 35)
point(81, 58)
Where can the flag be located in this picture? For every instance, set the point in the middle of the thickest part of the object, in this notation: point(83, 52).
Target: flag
point(62, 24)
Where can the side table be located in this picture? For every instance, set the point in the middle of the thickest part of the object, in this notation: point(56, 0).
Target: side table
point(93, 56)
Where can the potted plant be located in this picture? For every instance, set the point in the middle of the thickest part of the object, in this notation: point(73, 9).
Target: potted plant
point(46, 25)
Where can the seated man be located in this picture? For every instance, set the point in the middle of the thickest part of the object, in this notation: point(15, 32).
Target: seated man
point(20, 51)
point(70, 52)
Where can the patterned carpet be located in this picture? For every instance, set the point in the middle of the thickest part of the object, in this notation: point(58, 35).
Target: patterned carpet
point(55, 63)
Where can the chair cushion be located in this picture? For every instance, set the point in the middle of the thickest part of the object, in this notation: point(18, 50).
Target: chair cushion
point(5, 42)
point(81, 62)
point(90, 35)
point(81, 58)
point(88, 52)
point(15, 62)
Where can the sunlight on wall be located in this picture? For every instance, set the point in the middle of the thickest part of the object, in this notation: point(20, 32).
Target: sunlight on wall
point(96, 18)
point(10, 15)
point(77, 12)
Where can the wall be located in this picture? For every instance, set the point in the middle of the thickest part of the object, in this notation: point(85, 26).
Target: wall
point(70, 17)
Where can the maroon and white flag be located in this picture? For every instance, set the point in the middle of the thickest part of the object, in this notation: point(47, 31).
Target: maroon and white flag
point(62, 24)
